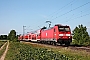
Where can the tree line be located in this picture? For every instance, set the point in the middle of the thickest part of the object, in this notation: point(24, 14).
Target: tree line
point(11, 36)
point(3, 37)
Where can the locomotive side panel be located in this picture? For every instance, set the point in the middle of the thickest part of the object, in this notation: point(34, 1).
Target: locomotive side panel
point(49, 34)
point(44, 35)
point(55, 33)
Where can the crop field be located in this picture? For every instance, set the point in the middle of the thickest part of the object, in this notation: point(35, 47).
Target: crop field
point(20, 51)
point(72, 54)
point(23, 51)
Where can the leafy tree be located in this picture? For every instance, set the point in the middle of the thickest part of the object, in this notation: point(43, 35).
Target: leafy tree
point(12, 35)
point(81, 35)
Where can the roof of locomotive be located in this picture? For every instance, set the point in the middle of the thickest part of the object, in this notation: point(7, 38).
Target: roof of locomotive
point(44, 28)
point(60, 25)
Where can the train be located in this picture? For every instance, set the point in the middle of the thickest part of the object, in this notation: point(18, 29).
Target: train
point(58, 34)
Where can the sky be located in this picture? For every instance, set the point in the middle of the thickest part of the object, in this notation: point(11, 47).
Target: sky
point(14, 14)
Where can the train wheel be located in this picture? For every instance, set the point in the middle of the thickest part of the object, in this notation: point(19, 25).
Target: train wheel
point(54, 43)
point(61, 43)
point(67, 43)
point(42, 42)
point(50, 43)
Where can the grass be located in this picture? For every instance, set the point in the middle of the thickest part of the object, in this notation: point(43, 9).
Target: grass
point(78, 55)
point(12, 50)
point(1, 43)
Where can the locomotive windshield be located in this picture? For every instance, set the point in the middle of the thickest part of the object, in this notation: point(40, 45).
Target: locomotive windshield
point(64, 28)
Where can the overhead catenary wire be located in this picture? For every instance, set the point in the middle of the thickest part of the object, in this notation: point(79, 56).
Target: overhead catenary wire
point(56, 12)
point(70, 3)
point(71, 10)
point(79, 15)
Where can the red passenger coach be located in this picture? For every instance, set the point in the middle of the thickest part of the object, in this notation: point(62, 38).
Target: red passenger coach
point(20, 37)
point(57, 34)
point(35, 36)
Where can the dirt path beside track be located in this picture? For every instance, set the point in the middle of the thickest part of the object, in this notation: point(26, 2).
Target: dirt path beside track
point(3, 46)
point(4, 54)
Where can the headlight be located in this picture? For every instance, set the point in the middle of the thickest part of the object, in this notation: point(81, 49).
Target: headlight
point(68, 34)
point(60, 34)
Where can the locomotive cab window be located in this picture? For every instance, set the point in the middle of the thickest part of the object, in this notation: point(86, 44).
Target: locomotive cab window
point(64, 28)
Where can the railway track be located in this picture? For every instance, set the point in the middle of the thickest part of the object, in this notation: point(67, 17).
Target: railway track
point(80, 48)
point(87, 49)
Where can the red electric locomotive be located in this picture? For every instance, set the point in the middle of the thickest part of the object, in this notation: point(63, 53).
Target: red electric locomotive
point(57, 34)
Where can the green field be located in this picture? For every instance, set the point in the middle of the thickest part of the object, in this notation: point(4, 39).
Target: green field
point(22, 51)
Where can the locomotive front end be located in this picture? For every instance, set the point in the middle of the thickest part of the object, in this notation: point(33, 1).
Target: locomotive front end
point(64, 35)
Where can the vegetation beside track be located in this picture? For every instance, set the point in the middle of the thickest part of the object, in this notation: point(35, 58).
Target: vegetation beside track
point(81, 36)
point(21, 51)
point(71, 54)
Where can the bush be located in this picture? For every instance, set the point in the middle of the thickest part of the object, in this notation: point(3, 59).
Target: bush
point(81, 35)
